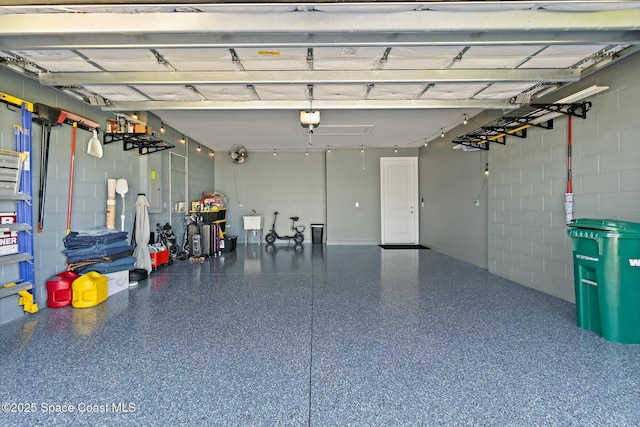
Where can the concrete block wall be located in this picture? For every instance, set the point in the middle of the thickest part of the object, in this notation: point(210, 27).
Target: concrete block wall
point(528, 240)
point(291, 183)
point(450, 183)
point(527, 235)
point(90, 182)
point(354, 176)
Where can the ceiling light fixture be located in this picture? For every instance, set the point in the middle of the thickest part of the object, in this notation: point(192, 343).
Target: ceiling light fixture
point(585, 93)
point(310, 119)
point(199, 149)
point(486, 170)
point(211, 153)
point(307, 152)
point(329, 149)
point(274, 152)
point(162, 129)
point(578, 96)
point(395, 150)
point(441, 133)
point(465, 121)
point(183, 140)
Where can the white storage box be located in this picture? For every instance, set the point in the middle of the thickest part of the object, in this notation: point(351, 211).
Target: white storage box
point(118, 281)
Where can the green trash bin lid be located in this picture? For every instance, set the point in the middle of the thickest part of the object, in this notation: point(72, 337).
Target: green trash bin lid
point(610, 225)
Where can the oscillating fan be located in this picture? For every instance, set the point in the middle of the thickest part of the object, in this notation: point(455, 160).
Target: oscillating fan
point(238, 154)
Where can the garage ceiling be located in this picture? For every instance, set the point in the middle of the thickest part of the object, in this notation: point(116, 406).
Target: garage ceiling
point(382, 74)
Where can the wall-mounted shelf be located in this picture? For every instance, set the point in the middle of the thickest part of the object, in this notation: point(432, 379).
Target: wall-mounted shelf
point(10, 195)
point(515, 123)
point(14, 288)
point(143, 142)
point(134, 134)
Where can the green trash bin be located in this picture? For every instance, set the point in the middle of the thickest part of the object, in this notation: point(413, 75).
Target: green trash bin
point(606, 269)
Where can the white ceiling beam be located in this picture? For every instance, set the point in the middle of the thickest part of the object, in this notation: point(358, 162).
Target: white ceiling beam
point(304, 77)
point(302, 104)
point(305, 40)
point(316, 22)
point(111, 30)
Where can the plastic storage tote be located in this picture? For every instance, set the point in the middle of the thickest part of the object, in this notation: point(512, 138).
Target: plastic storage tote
point(606, 267)
point(230, 243)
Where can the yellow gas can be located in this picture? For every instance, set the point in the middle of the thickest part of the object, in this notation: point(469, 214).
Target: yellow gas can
point(89, 290)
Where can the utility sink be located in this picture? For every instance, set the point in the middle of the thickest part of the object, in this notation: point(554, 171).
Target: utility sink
point(252, 222)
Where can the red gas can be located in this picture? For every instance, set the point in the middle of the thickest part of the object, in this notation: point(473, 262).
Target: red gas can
point(59, 291)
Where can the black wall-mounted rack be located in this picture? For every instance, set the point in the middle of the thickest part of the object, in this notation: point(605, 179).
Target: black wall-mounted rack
point(515, 123)
point(145, 143)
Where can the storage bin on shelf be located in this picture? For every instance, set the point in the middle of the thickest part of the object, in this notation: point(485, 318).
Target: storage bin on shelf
point(213, 214)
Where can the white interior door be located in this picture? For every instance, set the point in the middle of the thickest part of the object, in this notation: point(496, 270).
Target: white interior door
point(399, 195)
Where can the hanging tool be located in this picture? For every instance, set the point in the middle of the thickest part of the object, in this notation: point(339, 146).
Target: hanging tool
point(111, 203)
point(568, 197)
point(94, 148)
point(48, 117)
point(74, 132)
point(51, 116)
point(44, 163)
point(122, 187)
point(15, 101)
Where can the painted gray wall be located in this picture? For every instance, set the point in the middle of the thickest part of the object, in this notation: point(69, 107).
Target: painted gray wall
point(528, 240)
point(321, 187)
point(450, 183)
point(291, 183)
point(90, 182)
point(353, 176)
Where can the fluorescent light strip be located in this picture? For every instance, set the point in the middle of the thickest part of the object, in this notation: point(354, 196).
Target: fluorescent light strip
point(578, 96)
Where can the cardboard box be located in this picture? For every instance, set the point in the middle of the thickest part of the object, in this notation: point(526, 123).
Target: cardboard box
point(118, 281)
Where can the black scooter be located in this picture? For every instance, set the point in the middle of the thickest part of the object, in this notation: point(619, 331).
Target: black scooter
point(297, 235)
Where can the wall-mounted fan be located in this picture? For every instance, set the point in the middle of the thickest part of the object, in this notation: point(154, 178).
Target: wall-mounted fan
point(238, 154)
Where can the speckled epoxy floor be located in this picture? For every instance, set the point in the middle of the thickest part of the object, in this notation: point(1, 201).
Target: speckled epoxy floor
point(323, 336)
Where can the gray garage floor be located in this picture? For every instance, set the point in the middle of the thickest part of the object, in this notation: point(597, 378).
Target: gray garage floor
point(323, 336)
